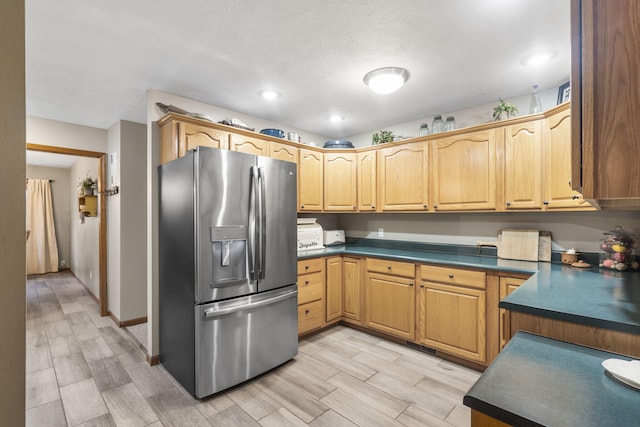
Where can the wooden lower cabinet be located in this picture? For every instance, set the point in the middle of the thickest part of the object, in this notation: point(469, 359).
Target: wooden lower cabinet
point(452, 316)
point(334, 285)
point(352, 290)
point(390, 302)
point(507, 285)
point(311, 300)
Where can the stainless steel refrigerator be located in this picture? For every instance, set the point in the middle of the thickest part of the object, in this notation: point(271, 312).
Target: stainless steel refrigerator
point(228, 266)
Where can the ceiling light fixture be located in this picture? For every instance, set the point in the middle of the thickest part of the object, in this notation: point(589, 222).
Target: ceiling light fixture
point(336, 118)
point(269, 94)
point(386, 80)
point(538, 58)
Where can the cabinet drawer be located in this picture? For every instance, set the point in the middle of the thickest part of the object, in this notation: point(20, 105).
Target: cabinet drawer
point(310, 316)
point(395, 268)
point(455, 276)
point(310, 265)
point(310, 287)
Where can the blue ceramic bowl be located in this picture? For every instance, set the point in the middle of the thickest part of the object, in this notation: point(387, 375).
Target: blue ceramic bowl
point(273, 132)
point(338, 143)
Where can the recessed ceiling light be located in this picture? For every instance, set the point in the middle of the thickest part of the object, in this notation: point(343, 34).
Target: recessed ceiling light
point(538, 58)
point(386, 80)
point(336, 118)
point(269, 94)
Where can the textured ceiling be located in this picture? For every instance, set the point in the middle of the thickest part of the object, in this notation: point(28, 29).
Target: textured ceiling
point(91, 62)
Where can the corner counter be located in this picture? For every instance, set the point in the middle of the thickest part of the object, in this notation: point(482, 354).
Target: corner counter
point(541, 381)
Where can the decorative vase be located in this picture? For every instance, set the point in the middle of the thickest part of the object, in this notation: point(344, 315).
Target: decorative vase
point(88, 191)
point(503, 115)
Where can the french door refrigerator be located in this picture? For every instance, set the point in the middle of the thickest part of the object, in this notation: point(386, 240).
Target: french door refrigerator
point(228, 267)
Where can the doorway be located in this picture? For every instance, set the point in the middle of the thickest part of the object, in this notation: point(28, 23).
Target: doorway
point(102, 212)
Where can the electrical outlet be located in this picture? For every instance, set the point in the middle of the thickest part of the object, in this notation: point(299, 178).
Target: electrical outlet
point(63, 263)
point(90, 274)
point(380, 232)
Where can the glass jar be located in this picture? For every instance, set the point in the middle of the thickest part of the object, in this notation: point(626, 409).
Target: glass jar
point(535, 105)
point(617, 247)
point(438, 125)
point(424, 129)
point(450, 124)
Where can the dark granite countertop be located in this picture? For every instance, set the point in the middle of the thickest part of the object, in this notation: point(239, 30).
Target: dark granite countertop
point(541, 381)
point(593, 296)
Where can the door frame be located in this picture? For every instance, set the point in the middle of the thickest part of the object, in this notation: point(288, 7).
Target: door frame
point(102, 212)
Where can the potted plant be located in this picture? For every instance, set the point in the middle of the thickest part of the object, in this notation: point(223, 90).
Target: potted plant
point(504, 110)
point(86, 185)
point(382, 137)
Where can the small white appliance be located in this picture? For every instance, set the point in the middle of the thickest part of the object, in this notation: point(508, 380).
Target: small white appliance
point(309, 234)
point(334, 237)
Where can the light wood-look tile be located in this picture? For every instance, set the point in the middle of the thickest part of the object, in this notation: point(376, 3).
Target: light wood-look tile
point(82, 401)
point(46, 415)
point(85, 371)
point(128, 407)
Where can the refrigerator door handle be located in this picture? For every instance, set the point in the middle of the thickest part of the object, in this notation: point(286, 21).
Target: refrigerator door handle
point(253, 223)
point(212, 312)
point(263, 224)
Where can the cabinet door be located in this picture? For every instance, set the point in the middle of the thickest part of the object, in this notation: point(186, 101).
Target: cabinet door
point(507, 285)
point(340, 182)
point(334, 288)
point(192, 135)
point(310, 181)
point(351, 289)
point(453, 319)
point(367, 181)
point(403, 177)
point(390, 305)
point(249, 145)
point(558, 190)
point(464, 172)
point(283, 152)
point(523, 166)
point(604, 99)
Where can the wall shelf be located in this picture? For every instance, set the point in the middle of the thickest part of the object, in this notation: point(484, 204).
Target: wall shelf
point(88, 204)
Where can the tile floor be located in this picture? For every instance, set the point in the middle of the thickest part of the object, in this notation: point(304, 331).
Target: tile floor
point(84, 371)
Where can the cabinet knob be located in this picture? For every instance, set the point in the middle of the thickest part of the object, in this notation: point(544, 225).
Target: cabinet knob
point(422, 285)
point(424, 206)
point(410, 283)
point(450, 275)
point(302, 207)
point(354, 207)
point(575, 197)
point(306, 311)
point(508, 203)
point(569, 183)
point(435, 206)
point(306, 282)
point(373, 207)
point(388, 267)
point(306, 267)
point(546, 202)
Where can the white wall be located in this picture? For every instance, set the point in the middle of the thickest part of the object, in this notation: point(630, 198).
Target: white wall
point(68, 135)
point(472, 116)
point(127, 290)
point(581, 230)
point(12, 213)
point(62, 213)
point(85, 260)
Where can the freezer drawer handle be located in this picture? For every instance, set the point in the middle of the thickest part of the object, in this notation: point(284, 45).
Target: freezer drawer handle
point(212, 312)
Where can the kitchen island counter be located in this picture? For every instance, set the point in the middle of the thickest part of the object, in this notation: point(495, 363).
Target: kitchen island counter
point(542, 381)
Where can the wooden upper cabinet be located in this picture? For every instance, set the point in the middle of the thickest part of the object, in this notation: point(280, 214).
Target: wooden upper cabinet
point(367, 181)
point(559, 193)
point(522, 160)
point(310, 180)
point(340, 181)
point(464, 172)
point(605, 99)
point(249, 145)
point(191, 135)
point(403, 177)
point(283, 152)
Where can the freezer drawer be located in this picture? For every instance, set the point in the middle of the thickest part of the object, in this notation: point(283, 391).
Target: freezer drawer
point(241, 338)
